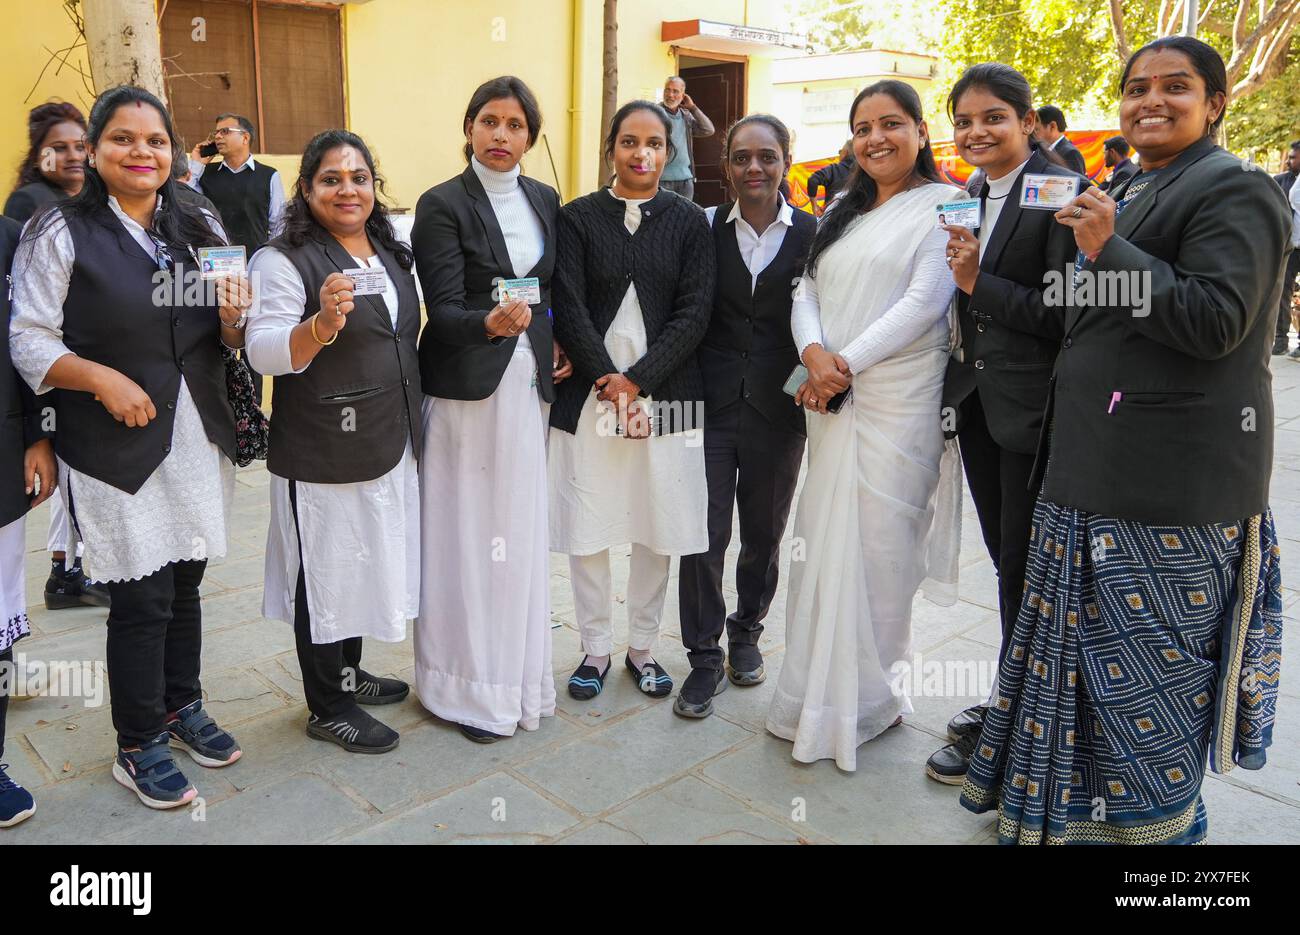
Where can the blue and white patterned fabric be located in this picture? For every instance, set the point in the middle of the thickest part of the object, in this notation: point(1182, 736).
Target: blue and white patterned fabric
point(1134, 652)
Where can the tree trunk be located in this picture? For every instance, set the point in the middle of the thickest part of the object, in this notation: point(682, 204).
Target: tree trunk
point(122, 44)
point(608, 86)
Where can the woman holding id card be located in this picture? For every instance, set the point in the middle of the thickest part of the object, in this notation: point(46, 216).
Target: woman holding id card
point(335, 324)
point(485, 246)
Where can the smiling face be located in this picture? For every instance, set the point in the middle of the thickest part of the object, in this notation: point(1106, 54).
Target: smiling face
point(499, 134)
point(755, 163)
point(342, 193)
point(988, 133)
point(134, 153)
point(63, 156)
point(886, 139)
point(640, 153)
point(1165, 107)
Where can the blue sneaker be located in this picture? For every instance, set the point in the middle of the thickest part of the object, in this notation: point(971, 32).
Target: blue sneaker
point(151, 773)
point(190, 729)
point(16, 803)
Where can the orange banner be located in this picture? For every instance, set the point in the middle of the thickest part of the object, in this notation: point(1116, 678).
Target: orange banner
point(956, 170)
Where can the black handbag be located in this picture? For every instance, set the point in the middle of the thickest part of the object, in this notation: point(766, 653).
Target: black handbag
point(252, 429)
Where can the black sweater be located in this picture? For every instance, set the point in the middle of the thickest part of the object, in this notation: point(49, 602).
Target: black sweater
point(670, 261)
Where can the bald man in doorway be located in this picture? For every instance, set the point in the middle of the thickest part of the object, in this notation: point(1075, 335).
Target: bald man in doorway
point(688, 122)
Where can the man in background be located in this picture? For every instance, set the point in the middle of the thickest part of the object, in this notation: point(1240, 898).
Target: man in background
point(688, 122)
point(831, 178)
point(1121, 167)
point(1292, 269)
point(1051, 132)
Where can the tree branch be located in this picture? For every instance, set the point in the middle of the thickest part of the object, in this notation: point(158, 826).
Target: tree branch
point(1117, 28)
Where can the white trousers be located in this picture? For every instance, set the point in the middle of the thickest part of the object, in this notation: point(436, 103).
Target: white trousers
point(593, 599)
point(61, 532)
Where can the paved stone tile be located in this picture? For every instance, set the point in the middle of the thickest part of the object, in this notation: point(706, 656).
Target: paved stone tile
point(690, 811)
point(1238, 815)
point(600, 832)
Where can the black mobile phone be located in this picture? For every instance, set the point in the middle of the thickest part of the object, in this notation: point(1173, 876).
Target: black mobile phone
point(796, 379)
point(207, 150)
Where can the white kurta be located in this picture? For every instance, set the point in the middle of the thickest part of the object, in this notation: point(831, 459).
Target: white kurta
point(607, 490)
point(483, 638)
point(359, 542)
point(13, 583)
point(182, 511)
point(878, 473)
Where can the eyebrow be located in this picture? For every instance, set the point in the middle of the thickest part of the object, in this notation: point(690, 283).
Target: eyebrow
point(1172, 74)
point(997, 109)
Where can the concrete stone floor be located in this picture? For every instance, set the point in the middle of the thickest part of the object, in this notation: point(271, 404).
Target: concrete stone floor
point(618, 769)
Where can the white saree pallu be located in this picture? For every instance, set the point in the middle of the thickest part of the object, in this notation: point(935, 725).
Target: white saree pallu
point(880, 510)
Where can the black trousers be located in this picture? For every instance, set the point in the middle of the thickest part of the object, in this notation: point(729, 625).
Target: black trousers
point(330, 671)
point(1289, 274)
point(155, 638)
point(999, 481)
point(752, 465)
point(5, 657)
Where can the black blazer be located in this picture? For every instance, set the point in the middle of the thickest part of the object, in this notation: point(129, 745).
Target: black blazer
point(1190, 439)
point(1009, 335)
point(31, 198)
point(1070, 154)
point(1119, 175)
point(20, 421)
point(460, 253)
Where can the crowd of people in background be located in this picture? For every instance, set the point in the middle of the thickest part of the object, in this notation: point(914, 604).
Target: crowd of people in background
point(628, 371)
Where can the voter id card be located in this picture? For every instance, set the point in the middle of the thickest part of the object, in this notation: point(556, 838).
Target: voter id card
point(964, 213)
point(528, 289)
point(366, 280)
point(1051, 192)
point(216, 262)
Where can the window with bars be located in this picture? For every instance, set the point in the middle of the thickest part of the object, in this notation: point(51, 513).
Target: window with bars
point(279, 64)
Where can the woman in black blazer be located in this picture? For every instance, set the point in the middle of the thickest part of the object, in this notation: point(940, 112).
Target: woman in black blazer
point(1150, 632)
point(996, 384)
point(27, 478)
point(489, 366)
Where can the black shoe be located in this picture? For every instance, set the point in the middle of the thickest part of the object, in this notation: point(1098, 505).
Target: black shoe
point(70, 588)
point(478, 735)
point(948, 765)
point(356, 731)
point(745, 664)
point(586, 683)
point(696, 696)
point(375, 689)
point(650, 678)
point(970, 720)
point(1279, 345)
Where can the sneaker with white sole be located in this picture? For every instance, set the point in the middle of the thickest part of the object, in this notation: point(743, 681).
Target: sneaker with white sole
point(16, 803)
point(190, 729)
point(150, 772)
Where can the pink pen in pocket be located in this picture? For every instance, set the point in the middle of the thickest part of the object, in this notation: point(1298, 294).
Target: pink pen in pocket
point(1115, 397)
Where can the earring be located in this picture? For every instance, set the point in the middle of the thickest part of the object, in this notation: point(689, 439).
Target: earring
point(91, 160)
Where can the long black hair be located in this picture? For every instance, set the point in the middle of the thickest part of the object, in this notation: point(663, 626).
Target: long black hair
point(1207, 62)
point(632, 107)
point(505, 86)
point(1007, 85)
point(177, 221)
point(300, 224)
point(42, 119)
point(859, 191)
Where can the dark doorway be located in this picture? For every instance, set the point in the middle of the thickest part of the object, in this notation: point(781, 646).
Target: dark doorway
point(718, 89)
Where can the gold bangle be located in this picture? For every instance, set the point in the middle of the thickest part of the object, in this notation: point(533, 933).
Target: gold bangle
point(316, 337)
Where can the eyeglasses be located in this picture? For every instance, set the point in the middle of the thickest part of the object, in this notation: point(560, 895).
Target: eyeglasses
point(162, 254)
point(222, 131)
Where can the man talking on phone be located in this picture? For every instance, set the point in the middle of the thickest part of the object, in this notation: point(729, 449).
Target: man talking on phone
point(688, 122)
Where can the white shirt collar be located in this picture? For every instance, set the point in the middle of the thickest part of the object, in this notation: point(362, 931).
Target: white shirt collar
point(248, 164)
point(130, 222)
point(784, 214)
point(1052, 145)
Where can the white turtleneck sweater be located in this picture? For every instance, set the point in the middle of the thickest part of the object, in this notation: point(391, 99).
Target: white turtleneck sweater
point(994, 202)
point(520, 225)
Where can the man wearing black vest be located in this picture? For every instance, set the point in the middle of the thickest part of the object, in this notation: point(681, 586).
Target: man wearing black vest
point(753, 432)
point(248, 195)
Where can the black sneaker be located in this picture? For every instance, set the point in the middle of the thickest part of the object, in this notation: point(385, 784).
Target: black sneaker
point(696, 696)
point(70, 588)
point(356, 731)
point(745, 664)
point(972, 719)
point(948, 765)
point(1280, 345)
point(478, 735)
point(375, 689)
point(651, 678)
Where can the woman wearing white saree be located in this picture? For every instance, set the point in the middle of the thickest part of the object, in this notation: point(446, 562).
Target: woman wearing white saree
point(871, 315)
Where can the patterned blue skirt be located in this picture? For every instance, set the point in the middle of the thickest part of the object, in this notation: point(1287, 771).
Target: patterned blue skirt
point(1138, 650)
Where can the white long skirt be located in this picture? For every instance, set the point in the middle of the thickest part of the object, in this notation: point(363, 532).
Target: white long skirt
point(360, 555)
point(483, 637)
point(13, 583)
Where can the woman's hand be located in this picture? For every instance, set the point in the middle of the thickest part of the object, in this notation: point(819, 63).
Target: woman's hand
point(613, 385)
point(508, 319)
point(634, 420)
point(38, 463)
point(335, 304)
point(234, 297)
point(124, 399)
point(828, 374)
point(561, 366)
point(1092, 217)
point(963, 254)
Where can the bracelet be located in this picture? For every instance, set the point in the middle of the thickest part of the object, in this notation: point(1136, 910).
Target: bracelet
point(240, 322)
point(317, 337)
